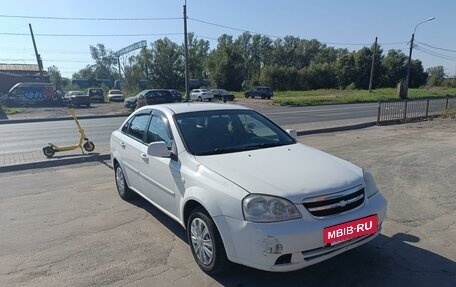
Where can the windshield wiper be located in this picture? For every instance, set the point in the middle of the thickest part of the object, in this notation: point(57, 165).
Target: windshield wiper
point(263, 145)
point(221, 150)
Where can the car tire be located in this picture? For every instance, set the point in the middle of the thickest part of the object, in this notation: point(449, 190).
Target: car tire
point(205, 242)
point(122, 188)
point(200, 99)
point(209, 100)
point(246, 96)
point(269, 97)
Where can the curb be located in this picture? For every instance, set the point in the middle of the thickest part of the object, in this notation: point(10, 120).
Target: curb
point(55, 163)
point(104, 157)
point(338, 129)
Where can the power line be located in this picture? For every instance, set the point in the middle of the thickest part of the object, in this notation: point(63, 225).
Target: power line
point(443, 49)
point(232, 28)
point(91, 19)
point(47, 60)
point(435, 54)
point(93, 35)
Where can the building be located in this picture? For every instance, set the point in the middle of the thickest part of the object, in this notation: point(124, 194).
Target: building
point(11, 74)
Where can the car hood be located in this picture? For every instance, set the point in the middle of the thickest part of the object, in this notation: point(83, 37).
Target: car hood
point(294, 171)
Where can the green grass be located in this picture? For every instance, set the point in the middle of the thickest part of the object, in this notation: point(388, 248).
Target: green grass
point(319, 97)
point(11, 111)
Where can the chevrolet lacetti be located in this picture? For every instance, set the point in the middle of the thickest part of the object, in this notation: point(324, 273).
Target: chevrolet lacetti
point(245, 190)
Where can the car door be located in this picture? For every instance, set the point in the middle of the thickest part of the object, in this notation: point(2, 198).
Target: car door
point(162, 176)
point(133, 148)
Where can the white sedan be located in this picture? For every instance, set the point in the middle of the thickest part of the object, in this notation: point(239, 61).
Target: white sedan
point(201, 95)
point(244, 189)
point(115, 96)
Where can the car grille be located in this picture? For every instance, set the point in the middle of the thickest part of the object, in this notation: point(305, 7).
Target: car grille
point(335, 203)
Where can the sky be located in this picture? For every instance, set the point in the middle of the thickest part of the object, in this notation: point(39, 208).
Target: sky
point(348, 24)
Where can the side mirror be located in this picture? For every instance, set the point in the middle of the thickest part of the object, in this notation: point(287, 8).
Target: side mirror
point(292, 133)
point(158, 149)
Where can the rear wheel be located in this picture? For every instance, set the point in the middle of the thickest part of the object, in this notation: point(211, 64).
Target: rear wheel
point(206, 243)
point(48, 151)
point(200, 99)
point(122, 188)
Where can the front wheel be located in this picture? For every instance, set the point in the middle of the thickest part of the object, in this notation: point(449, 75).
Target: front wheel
point(206, 243)
point(48, 151)
point(200, 99)
point(89, 146)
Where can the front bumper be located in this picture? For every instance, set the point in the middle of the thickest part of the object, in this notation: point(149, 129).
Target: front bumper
point(300, 242)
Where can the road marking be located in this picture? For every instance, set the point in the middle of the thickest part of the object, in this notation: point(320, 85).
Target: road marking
point(332, 114)
point(320, 110)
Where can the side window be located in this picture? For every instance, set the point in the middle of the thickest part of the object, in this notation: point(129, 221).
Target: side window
point(136, 127)
point(158, 131)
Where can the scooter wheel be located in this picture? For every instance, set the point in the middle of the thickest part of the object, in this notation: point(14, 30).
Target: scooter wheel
point(89, 146)
point(48, 151)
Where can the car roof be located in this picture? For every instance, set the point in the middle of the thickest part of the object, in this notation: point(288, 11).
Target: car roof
point(180, 108)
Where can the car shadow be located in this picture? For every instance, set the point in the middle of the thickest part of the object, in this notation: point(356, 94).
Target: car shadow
point(385, 261)
point(164, 219)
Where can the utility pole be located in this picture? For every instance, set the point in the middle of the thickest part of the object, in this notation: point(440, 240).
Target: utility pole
point(187, 92)
point(372, 66)
point(38, 57)
point(407, 79)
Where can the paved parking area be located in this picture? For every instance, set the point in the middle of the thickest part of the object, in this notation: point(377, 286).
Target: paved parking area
point(66, 226)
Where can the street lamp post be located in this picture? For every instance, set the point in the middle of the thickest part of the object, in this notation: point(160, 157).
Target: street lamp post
point(407, 79)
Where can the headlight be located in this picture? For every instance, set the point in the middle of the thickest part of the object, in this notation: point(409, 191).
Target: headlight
point(371, 186)
point(265, 208)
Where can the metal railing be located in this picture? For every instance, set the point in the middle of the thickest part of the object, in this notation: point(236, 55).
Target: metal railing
point(403, 111)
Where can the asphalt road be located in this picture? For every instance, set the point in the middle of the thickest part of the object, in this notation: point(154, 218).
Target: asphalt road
point(67, 226)
point(25, 137)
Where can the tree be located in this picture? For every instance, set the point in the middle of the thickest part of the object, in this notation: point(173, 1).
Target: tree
point(226, 65)
point(395, 68)
point(55, 77)
point(106, 61)
point(436, 75)
point(198, 51)
point(167, 64)
point(345, 67)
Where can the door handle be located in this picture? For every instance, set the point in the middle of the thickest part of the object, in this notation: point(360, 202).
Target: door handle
point(122, 144)
point(144, 156)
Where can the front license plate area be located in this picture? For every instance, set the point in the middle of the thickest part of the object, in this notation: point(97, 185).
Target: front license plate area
point(349, 230)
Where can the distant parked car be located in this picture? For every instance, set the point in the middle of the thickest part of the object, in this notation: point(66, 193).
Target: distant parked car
point(96, 95)
point(177, 95)
point(223, 95)
point(201, 95)
point(76, 99)
point(115, 96)
point(153, 96)
point(259, 91)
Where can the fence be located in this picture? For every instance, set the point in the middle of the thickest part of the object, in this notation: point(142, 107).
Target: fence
point(402, 111)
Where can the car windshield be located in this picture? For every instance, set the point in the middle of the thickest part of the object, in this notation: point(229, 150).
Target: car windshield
point(227, 131)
